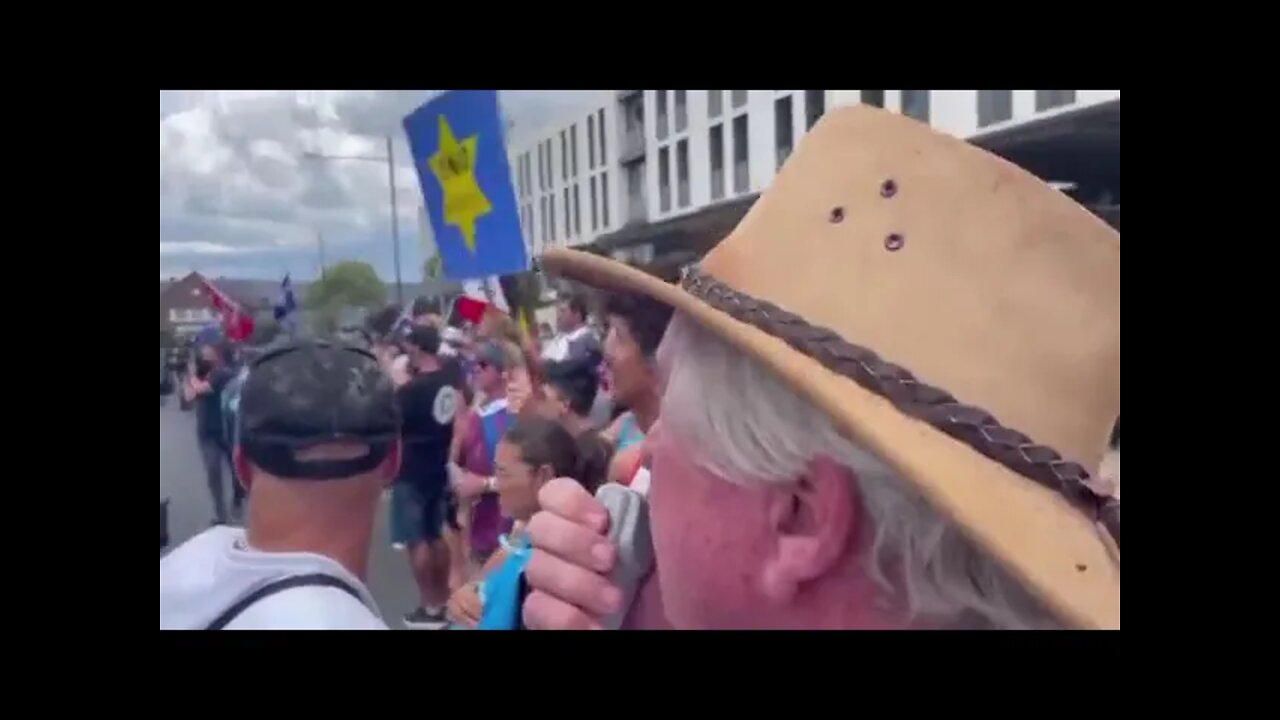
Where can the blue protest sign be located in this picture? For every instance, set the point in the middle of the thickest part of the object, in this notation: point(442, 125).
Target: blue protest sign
point(461, 159)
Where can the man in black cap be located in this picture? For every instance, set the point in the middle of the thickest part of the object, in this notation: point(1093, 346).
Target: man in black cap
point(429, 402)
point(319, 440)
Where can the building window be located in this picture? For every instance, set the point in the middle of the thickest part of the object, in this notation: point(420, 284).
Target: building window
point(604, 200)
point(994, 106)
point(564, 155)
point(573, 148)
point(635, 192)
point(664, 179)
point(528, 176)
point(717, 162)
point(591, 142)
point(541, 182)
point(634, 116)
point(568, 220)
point(551, 216)
point(874, 98)
point(737, 98)
point(1049, 99)
point(682, 110)
point(661, 130)
point(577, 212)
point(551, 159)
point(604, 154)
point(542, 219)
point(815, 104)
point(682, 173)
point(915, 104)
point(595, 218)
point(542, 168)
point(783, 137)
point(715, 103)
point(741, 173)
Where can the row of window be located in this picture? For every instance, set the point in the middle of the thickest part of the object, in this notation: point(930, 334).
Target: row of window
point(784, 143)
point(572, 212)
point(597, 157)
point(715, 107)
point(994, 106)
point(189, 315)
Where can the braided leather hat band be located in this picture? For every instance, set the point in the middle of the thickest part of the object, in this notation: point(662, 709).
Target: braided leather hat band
point(973, 426)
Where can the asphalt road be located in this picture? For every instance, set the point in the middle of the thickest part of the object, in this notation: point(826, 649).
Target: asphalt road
point(191, 511)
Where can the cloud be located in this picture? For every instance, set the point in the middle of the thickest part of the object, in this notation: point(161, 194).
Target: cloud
point(238, 196)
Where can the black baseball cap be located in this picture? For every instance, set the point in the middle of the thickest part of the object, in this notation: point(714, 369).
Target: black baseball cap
point(311, 392)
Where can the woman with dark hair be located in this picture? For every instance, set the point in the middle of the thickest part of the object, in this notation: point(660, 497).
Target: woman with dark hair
point(533, 451)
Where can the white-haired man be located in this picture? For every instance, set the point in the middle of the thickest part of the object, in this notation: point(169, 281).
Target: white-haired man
point(801, 478)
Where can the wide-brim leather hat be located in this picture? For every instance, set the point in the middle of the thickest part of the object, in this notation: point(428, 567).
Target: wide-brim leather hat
point(951, 313)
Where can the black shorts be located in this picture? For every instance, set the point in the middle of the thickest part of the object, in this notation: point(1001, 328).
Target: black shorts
point(419, 511)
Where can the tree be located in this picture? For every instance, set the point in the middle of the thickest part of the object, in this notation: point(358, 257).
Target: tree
point(347, 284)
point(434, 267)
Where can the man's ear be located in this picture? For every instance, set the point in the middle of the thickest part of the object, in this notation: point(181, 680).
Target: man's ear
point(814, 522)
point(244, 470)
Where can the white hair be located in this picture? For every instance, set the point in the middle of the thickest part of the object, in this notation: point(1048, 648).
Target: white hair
point(758, 430)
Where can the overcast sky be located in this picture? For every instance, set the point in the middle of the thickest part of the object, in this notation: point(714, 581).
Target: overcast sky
point(238, 199)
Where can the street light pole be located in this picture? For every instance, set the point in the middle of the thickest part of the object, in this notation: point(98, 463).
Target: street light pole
point(395, 220)
point(395, 215)
point(320, 250)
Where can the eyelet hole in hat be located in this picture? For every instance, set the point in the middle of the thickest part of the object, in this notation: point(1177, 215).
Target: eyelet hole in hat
point(888, 189)
point(894, 242)
point(837, 215)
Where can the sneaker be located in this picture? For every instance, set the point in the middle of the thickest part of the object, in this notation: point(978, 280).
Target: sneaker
point(423, 619)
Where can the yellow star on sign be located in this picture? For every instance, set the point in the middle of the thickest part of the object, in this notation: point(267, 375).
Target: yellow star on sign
point(454, 166)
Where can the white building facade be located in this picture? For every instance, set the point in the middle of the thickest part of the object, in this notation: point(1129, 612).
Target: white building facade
point(645, 156)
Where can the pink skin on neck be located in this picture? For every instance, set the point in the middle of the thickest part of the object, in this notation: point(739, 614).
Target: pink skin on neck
point(715, 542)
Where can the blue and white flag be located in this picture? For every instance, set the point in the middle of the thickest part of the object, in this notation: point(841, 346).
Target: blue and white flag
point(285, 311)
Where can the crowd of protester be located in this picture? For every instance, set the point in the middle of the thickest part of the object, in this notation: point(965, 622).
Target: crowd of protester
point(486, 415)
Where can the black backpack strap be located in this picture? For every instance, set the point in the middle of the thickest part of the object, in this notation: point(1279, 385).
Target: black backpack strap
point(271, 588)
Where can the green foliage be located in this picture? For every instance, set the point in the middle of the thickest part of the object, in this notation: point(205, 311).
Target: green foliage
point(434, 267)
point(345, 285)
point(349, 283)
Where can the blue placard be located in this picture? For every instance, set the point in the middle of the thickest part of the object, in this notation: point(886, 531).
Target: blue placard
point(461, 158)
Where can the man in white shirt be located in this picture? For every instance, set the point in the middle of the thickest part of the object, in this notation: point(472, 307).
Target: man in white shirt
point(575, 339)
point(319, 441)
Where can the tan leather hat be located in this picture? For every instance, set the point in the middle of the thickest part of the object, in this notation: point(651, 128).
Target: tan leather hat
point(951, 313)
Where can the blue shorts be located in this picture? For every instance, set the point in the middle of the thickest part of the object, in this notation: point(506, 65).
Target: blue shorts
point(418, 512)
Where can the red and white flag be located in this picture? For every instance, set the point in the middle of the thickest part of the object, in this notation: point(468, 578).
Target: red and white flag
point(480, 295)
point(237, 324)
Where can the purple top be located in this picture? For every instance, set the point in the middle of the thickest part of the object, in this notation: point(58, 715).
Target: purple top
point(484, 429)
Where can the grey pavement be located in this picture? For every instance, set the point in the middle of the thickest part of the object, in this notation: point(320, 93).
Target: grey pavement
point(191, 510)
